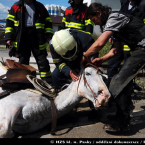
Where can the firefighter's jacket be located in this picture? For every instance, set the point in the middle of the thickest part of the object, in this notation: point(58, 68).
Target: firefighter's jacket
point(15, 24)
point(75, 18)
point(137, 10)
point(84, 41)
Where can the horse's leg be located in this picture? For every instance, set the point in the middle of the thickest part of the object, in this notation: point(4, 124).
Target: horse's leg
point(8, 115)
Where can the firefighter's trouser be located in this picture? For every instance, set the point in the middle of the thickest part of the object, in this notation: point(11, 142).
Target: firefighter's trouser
point(59, 79)
point(29, 43)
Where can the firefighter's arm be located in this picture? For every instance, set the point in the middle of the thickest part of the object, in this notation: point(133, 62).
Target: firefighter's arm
point(9, 30)
point(89, 25)
point(48, 24)
point(59, 63)
point(116, 48)
point(100, 60)
point(96, 46)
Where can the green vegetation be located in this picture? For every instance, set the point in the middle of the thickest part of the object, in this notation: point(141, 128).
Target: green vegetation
point(140, 82)
point(105, 49)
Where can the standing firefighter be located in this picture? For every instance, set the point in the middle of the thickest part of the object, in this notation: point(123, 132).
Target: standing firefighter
point(29, 28)
point(75, 17)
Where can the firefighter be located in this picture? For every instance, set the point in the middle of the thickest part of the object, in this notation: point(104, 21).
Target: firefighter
point(67, 50)
point(135, 8)
point(128, 29)
point(75, 17)
point(29, 29)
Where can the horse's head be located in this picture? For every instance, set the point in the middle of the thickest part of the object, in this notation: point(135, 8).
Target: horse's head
point(92, 86)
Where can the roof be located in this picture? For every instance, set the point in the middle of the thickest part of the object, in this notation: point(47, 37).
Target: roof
point(56, 19)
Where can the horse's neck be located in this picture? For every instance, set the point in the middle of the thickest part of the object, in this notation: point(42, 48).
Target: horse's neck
point(67, 98)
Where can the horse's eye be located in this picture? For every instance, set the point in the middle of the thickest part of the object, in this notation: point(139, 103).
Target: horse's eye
point(88, 74)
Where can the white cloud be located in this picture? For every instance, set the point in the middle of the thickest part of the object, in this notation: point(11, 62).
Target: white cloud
point(3, 8)
point(3, 11)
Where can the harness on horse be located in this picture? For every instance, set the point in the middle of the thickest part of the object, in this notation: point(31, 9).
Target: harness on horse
point(85, 80)
point(48, 92)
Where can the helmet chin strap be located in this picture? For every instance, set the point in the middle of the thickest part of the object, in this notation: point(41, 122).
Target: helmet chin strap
point(68, 58)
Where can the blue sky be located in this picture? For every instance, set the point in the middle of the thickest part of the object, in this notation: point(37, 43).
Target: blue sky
point(6, 4)
point(57, 2)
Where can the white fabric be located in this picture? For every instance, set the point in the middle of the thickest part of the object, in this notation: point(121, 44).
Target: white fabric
point(116, 21)
point(29, 15)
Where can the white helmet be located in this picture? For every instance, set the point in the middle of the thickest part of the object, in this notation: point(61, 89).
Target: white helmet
point(64, 44)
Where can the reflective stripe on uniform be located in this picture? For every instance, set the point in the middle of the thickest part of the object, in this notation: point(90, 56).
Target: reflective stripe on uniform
point(45, 74)
point(126, 48)
point(74, 25)
point(39, 25)
point(48, 19)
point(86, 32)
point(144, 20)
point(56, 60)
point(64, 19)
point(16, 23)
point(15, 44)
point(89, 22)
point(43, 46)
point(9, 30)
point(49, 30)
point(61, 66)
point(10, 17)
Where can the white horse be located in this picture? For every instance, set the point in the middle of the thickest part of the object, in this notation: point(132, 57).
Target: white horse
point(26, 112)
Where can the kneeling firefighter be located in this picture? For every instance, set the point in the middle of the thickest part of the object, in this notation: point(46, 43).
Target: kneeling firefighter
point(67, 50)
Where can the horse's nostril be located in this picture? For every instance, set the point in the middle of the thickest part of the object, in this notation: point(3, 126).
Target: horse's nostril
point(100, 91)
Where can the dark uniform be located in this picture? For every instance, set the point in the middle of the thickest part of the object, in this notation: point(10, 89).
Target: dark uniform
point(75, 18)
point(61, 74)
point(26, 39)
point(137, 10)
point(130, 30)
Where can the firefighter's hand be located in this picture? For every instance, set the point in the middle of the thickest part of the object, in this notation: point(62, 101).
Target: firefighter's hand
point(74, 75)
point(9, 42)
point(97, 61)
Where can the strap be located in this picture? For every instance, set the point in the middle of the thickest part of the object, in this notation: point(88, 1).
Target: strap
point(2, 76)
point(54, 117)
point(4, 94)
point(45, 89)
